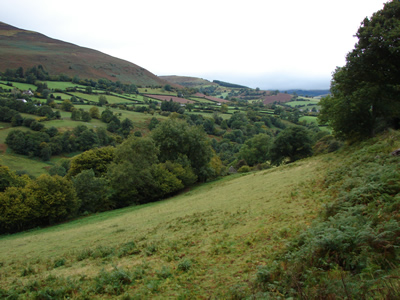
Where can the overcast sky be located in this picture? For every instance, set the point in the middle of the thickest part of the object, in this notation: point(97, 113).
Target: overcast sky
point(257, 43)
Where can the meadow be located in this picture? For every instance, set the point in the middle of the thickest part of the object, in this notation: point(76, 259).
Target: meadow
point(204, 243)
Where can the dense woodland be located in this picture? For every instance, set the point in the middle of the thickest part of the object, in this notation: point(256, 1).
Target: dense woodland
point(350, 249)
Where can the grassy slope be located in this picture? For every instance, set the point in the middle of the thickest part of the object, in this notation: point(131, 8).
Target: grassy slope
point(221, 229)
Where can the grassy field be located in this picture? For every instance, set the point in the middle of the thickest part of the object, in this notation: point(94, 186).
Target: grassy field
point(34, 167)
point(307, 102)
point(62, 85)
point(19, 85)
point(155, 91)
point(205, 243)
point(95, 98)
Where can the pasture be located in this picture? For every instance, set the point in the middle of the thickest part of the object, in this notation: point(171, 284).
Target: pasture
point(205, 243)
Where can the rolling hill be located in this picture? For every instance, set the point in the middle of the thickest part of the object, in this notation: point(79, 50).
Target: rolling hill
point(22, 48)
point(188, 81)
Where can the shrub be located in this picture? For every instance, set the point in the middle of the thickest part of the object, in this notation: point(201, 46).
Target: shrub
point(244, 169)
point(112, 282)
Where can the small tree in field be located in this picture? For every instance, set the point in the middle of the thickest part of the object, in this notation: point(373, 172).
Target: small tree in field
point(94, 112)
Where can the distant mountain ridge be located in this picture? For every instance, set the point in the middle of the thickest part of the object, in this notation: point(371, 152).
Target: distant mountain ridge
point(23, 48)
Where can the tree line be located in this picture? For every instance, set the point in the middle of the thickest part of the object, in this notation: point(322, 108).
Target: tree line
point(138, 171)
point(35, 74)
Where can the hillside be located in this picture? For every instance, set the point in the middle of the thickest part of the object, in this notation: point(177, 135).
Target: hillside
point(22, 48)
point(325, 227)
point(188, 81)
point(205, 243)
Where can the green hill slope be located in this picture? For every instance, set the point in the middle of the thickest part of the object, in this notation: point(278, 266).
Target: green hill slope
point(22, 48)
point(204, 243)
point(326, 227)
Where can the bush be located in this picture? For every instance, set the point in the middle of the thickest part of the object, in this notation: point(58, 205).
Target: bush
point(244, 169)
point(113, 282)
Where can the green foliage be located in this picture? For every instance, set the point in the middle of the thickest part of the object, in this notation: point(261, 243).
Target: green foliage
point(67, 105)
point(184, 144)
point(153, 123)
point(94, 112)
point(293, 143)
point(113, 282)
point(129, 173)
point(326, 144)
point(165, 181)
point(354, 245)
point(102, 100)
point(17, 210)
point(365, 91)
point(256, 149)
point(244, 169)
point(10, 179)
point(185, 265)
point(56, 198)
point(93, 192)
point(31, 203)
point(96, 159)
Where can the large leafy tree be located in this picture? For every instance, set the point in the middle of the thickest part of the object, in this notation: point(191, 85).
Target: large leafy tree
point(56, 199)
point(292, 143)
point(129, 173)
point(185, 144)
point(96, 159)
point(366, 91)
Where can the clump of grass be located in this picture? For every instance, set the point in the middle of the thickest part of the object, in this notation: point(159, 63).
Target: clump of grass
point(84, 254)
point(164, 273)
point(102, 252)
point(128, 249)
point(185, 265)
point(29, 270)
point(151, 249)
point(113, 282)
point(59, 262)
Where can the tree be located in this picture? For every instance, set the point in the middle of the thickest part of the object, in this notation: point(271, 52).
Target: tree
point(8, 179)
point(85, 116)
point(179, 142)
point(56, 198)
point(96, 159)
point(365, 92)
point(224, 108)
point(94, 112)
point(107, 115)
point(153, 123)
point(168, 87)
point(76, 115)
point(130, 172)
point(293, 143)
point(102, 100)
point(67, 105)
point(17, 210)
point(256, 149)
point(126, 127)
point(93, 192)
